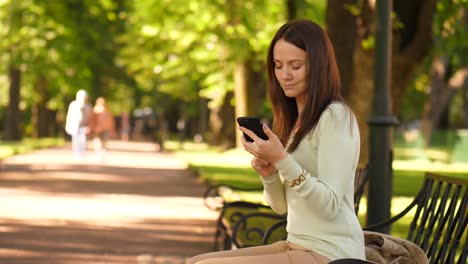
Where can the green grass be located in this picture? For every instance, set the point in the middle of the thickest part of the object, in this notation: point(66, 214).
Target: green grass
point(448, 146)
point(231, 167)
point(10, 148)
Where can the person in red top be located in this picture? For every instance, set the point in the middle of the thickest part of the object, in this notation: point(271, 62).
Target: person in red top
point(103, 127)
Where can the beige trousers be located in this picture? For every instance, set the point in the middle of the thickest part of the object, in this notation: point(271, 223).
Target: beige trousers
point(280, 252)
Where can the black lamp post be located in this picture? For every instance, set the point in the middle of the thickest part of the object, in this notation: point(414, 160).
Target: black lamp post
point(381, 123)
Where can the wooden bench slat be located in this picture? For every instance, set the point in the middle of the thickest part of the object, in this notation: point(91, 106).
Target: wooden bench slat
point(464, 254)
point(457, 225)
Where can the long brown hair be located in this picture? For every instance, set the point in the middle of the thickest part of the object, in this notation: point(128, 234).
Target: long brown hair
point(323, 80)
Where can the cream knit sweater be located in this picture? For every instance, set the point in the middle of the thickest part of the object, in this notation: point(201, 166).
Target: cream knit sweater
point(320, 210)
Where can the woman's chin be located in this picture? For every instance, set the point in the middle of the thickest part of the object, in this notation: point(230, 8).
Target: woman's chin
point(290, 94)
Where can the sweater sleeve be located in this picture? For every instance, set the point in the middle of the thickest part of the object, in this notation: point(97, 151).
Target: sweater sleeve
point(273, 193)
point(338, 149)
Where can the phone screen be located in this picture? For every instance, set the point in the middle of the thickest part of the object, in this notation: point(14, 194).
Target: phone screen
point(254, 124)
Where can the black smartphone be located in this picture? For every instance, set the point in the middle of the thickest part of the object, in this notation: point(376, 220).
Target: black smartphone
point(254, 124)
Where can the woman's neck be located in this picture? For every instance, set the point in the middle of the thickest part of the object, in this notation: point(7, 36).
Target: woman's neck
point(300, 102)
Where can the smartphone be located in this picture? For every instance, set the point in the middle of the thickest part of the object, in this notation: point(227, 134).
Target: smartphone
point(254, 124)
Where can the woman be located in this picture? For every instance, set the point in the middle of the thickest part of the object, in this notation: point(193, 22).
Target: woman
point(308, 163)
point(103, 127)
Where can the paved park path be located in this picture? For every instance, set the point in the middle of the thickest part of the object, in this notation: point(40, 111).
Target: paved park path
point(137, 206)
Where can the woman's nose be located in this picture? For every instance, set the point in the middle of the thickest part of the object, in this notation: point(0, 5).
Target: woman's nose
point(285, 73)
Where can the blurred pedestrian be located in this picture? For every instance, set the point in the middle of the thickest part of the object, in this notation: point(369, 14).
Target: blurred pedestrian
point(77, 123)
point(125, 126)
point(102, 126)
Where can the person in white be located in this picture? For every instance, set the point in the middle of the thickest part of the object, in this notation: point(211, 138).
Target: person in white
point(77, 121)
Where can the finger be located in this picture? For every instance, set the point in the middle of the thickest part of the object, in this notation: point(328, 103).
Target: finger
point(261, 162)
point(267, 130)
point(257, 161)
point(243, 140)
point(250, 133)
point(258, 167)
point(249, 149)
point(255, 164)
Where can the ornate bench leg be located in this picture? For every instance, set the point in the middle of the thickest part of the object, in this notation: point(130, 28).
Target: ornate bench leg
point(216, 239)
point(227, 242)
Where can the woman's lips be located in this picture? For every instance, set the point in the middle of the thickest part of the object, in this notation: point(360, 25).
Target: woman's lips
point(288, 86)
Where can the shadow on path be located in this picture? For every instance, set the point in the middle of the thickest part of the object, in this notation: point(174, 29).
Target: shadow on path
point(138, 206)
point(92, 179)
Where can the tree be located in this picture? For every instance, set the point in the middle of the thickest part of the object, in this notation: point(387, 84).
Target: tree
point(412, 41)
point(449, 71)
point(56, 48)
point(205, 49)
point(14, 20)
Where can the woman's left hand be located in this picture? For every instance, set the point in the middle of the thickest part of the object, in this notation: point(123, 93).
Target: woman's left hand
point(263, 167)
point(270, 150)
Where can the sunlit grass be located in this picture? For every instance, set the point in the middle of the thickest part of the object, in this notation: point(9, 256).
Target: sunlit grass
point(10, 148)
point(447, 146)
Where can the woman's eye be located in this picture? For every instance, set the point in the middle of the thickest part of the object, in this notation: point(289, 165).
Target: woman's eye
point(296, 67)
point(278, 67)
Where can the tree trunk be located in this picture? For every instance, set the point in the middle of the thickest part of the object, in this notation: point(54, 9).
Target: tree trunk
point(41, 121)
point(245, 92)
point(434, 106)
point(40, 113)
point(222, 125)
point(203, 120)
point(411, 44)
point(442, 92)
point(257, 88)
point(465, 105)
point(291, 9)
point(360, 97)
point(343, 41)
point(240, 94)
point(55, 127)
point(13, 116)
point(355, 62)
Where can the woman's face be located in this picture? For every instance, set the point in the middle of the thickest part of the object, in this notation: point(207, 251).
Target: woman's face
point(290, 64)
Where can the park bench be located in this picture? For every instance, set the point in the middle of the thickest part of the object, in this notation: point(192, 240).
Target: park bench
point(439, 224)
point(229, 211)
point(231, 227)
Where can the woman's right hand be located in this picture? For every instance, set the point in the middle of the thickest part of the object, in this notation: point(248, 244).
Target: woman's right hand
point(270, 150)
point(263, 167)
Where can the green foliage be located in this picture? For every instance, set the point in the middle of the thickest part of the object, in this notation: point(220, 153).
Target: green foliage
point(154, 52)
point(451, 39)
point(451, 31)
point(8, 149)
point(416, 95)
point(60, 47)
point(190, 49)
